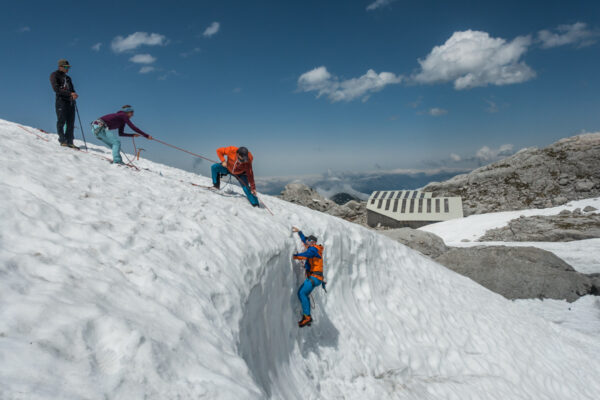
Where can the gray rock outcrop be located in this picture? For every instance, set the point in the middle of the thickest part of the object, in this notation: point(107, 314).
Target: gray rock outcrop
point(424, 242)
point(564, 227)
point(532, 178)
point(299, 193)
point(519, 272)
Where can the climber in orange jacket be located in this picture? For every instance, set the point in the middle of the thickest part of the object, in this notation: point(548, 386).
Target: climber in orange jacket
point(313, 270)
point(239, 164)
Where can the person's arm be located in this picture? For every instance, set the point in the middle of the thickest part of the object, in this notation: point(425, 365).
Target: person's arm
point(74, 95)
point(221, 153)
point(310, 253)
point(302, 237)
point(135, 128)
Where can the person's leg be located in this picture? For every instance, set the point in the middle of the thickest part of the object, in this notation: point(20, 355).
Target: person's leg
point(115, 143)
point(70, 120)
point(217, 170)
point(246, 187)
point(60, 107)
point(101, 135)
point(303, 293)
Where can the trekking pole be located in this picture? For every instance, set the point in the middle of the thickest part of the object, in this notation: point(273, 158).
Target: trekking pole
point(81, 126)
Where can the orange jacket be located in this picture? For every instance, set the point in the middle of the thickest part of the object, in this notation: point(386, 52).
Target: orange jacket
point(235, 167)
point(315, 263)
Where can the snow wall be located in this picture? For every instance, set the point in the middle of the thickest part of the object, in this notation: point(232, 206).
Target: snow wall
point(126, 285)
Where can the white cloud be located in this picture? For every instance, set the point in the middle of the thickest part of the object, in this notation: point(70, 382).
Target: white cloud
point(437, 112)
point(576, 33)
point(143, 59)
point(473, 58)
point(190, 53)
point(96, 47)
point(168, 74)
point(378, 3)
point(455, 157)
point(212, 29)
point(321, 81)
point(146, 69)
point(120, 44)
point(492, 106)
point(487, 154)
point(24, 29)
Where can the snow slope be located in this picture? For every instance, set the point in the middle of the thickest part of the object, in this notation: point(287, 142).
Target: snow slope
point(125, 285)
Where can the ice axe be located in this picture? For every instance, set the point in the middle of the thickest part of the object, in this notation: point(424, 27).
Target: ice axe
point(139, 150)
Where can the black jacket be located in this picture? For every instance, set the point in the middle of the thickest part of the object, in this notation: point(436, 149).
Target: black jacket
point(62, 85)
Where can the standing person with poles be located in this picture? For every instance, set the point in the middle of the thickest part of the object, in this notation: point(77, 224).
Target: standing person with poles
point(238, 164)
point(65, 103)
point(313, 265)
point(103, 126)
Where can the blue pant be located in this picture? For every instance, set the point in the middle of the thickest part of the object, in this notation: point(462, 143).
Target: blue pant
point(218, 170)
point(111, 139)
point(304, 291)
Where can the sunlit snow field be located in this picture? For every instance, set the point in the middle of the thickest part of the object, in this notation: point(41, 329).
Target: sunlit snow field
point(120, 284)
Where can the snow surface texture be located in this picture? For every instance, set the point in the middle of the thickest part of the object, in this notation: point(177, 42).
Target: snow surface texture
point(127, 285)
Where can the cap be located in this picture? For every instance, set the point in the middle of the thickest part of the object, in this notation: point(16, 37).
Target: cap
point(243, 152)
point(311, 238)
point(63, 63)
point(127, 109)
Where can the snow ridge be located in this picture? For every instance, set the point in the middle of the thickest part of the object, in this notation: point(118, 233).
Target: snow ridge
point(124, 284)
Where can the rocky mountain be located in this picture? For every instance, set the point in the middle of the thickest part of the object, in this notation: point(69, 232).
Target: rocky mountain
point(343, 198)
point(513, 272)
point(564, 227)
point(298, 193)
point(532, 178)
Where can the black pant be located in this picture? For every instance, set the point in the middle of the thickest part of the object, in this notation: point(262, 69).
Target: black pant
point(65, 114)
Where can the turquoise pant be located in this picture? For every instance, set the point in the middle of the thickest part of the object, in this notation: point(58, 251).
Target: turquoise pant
point(111, 139)
point(305, 290)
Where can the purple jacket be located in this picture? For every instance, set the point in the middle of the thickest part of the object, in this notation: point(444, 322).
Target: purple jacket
point(118, 121)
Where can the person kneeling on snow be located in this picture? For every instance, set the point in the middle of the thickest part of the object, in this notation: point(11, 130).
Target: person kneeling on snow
point(103, 126)
point(314, 273)
point(239, 164)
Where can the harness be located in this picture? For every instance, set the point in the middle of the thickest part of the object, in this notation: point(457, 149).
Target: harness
point(98, 125)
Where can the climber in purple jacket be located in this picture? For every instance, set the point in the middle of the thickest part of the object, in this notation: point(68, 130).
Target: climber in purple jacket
point(102, 129)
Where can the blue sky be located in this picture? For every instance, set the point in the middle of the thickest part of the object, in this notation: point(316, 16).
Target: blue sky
point(316, 86)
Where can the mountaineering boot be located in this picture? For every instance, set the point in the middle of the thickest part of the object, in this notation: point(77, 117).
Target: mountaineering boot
point(71, 145)
point(306, 320)
point(64, 145)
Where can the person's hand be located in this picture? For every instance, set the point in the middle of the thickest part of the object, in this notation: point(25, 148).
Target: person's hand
point(224, 163)
point(136, 135)
point(253, 191)
point(294, 229)
point(74, 95)
point(149, 137)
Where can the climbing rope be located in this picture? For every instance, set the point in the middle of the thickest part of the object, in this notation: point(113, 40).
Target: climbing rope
point(185, 151)
point(33, 133)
